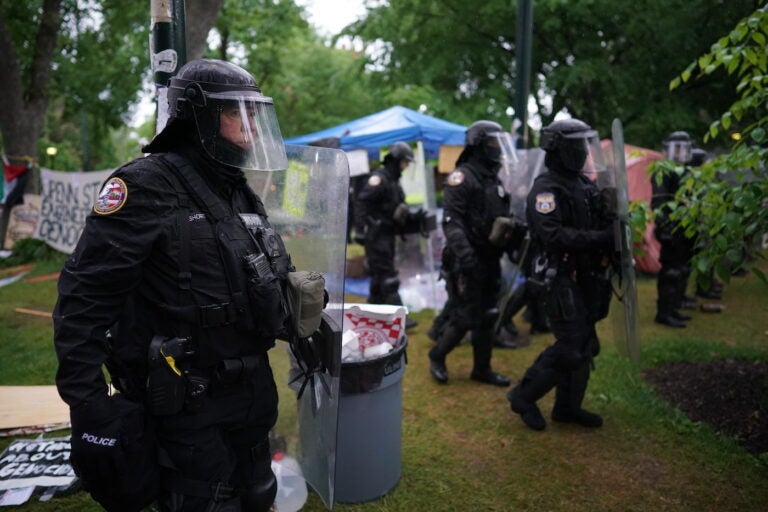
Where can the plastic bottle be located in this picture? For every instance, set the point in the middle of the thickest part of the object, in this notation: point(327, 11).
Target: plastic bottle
point(291, 487)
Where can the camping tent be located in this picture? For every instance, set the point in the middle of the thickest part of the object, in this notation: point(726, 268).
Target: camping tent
point(640, 189)
point(387, 126)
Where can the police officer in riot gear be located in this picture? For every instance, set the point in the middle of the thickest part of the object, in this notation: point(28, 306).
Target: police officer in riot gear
point(572, 236)
point(380, 215)
point(476, 205)
point(176, 285)
point(676, 248)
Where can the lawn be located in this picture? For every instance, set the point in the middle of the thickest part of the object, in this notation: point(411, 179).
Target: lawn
point(463, 449)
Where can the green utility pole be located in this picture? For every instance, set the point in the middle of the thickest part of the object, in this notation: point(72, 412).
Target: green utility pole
point(523, 44)
point(85, 140)
point(168, 50)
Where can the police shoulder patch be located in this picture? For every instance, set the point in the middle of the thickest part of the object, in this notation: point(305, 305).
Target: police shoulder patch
point(456, 178)
point(112, 197)
point(374, 180)
point(545, 202)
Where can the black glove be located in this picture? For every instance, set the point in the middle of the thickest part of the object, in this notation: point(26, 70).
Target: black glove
point(113, 453)
point(605, 238)
point(609, 201)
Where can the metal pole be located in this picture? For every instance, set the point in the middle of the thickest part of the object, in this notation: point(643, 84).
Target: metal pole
point(167, 50)
point(85, 140)
point(523, 45)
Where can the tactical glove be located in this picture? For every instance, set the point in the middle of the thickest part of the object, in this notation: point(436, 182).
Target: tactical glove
point(113, 453)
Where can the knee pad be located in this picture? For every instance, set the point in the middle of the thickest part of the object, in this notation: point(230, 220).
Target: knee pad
point(567, 359)
point(671, 273)
point(390, 285)
point(489, 317)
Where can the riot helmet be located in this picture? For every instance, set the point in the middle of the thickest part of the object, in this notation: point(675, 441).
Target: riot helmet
point(236, 124)
point(698, 157)
point(401, 151)
point(488, 141)
point(678, 146)
point(572, 145)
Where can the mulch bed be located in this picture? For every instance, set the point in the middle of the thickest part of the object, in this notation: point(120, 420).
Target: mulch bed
point(730, 395)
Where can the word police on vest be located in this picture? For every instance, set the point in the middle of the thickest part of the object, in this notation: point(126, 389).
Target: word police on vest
point(102, 441)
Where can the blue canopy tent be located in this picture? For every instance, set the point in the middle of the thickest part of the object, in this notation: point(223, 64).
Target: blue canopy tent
point(383, 128)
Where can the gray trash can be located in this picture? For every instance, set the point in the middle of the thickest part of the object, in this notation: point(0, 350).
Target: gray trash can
point(370, 427)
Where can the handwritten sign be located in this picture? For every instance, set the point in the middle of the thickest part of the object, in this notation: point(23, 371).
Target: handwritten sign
point(36, 462)
point(66, 200)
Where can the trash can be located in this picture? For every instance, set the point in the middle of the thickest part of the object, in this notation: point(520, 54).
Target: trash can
point(370, 427)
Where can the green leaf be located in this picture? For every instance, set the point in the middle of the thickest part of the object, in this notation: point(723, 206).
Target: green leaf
point(726, 120)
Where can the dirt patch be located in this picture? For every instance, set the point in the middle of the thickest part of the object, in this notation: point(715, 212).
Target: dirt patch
point(730, 395)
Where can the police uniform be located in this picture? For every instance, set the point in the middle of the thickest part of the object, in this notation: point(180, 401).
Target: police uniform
point(473, 198)
point(674, 256)
point(375, 207)
point(571, 237)
point(159, 289)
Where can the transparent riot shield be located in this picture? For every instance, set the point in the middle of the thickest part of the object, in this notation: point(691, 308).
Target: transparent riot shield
point(624, 317)
point(307, 205)
point(517, 180)
point(418, 257)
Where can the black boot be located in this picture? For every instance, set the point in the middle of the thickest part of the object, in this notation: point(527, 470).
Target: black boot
point(482, 347)
point(529, 412)
point(680, 316)
point(505, 338)
point(449, 338)
point(664, 313)
point(569, 397)
point(410, 323)
point(669, 321)
point(489, 376)
point(522, 398)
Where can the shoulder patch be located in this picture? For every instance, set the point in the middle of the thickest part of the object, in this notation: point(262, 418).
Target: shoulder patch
point(545, 202)
point(112, 197)
point(374, 180)
point(456, 178)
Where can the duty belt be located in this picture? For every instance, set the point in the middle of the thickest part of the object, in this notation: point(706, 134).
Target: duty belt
point(211, 315)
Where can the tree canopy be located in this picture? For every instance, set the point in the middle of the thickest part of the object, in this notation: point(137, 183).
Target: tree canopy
point(723, 204)
point(597, 59)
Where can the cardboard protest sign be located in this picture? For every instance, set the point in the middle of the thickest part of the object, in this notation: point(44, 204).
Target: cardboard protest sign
point(36, 462)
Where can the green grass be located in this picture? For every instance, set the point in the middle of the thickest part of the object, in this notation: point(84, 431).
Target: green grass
point(463, 449)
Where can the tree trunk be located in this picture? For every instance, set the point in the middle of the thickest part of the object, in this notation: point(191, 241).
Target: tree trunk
point(22, 112)
point(200, 16)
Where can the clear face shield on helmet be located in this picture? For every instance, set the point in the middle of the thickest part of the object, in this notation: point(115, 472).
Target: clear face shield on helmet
point(240, 129)
point(499, 147)
point(581, 152)
point(679, 151)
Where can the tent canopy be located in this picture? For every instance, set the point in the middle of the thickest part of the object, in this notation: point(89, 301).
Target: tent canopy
point(391, 125)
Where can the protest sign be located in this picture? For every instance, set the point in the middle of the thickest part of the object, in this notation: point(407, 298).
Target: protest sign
point(66, 200)
point(36, 462)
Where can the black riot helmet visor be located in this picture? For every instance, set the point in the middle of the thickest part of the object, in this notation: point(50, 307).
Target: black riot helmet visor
point(236, 123)
point(576, 144)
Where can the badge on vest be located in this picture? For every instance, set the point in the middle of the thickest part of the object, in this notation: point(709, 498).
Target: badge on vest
point(112, 197)
point(545, 202)
point(374, 180)
point(456, 178)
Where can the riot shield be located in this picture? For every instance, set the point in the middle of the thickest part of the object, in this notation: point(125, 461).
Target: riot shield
point(624, 317)
point(417, 254)
point(307, 205)
point(517, 181)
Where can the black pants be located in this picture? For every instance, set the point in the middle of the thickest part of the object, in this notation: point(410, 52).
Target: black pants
point(471, 306)
point(380, 258)
point(216, 458)
point(672, 279)
point(566, 364)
